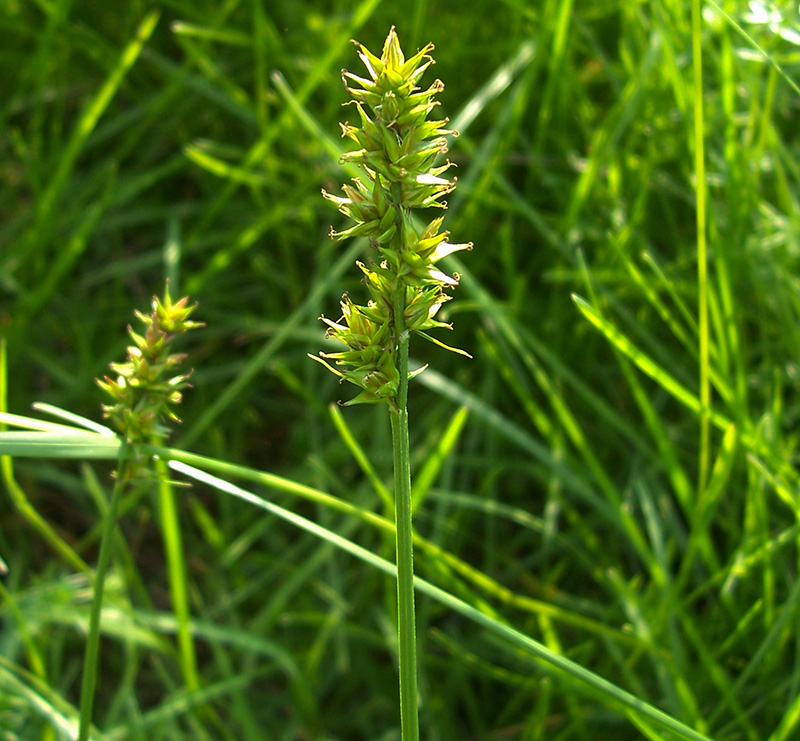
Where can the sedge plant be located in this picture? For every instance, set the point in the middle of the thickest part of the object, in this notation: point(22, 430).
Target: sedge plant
point(142, 392)
point(398, 149)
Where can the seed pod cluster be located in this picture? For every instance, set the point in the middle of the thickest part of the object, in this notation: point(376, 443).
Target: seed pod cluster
point(397, 152)
point(144, 392)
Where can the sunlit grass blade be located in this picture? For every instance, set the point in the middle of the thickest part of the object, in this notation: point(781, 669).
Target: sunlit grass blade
point(38, 699)
point(75, 419)
point(40, 425)
point(704, 444)
point(80, 445)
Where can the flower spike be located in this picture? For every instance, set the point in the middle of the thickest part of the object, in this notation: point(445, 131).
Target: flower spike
point(143, 391)
point(397, 149)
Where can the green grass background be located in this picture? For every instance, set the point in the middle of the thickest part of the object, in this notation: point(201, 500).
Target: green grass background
point(570, 480)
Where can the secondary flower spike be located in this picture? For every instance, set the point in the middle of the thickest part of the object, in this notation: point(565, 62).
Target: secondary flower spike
point(397, 150)
point(143, 391)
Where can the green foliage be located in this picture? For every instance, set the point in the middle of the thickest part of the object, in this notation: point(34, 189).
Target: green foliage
point(562, 493)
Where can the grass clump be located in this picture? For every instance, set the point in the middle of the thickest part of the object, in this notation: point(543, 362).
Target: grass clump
point(609, 485)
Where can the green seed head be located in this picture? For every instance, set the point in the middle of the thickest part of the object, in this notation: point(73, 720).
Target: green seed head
point(397, 151)
point(143, 391)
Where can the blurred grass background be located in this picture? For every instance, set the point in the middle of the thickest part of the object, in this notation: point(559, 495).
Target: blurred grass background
point(189, 141)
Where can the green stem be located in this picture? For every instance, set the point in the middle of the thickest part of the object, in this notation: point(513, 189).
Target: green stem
point(702, 258)
point(406, 627)
point(89, 681)
point(176, 569)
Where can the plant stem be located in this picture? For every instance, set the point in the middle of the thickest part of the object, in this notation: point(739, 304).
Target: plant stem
point(406, 624)
point(176, 569)
point(89, 681)
point(702, 257)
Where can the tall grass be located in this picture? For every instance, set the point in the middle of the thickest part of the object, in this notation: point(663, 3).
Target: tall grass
point(606, 502)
